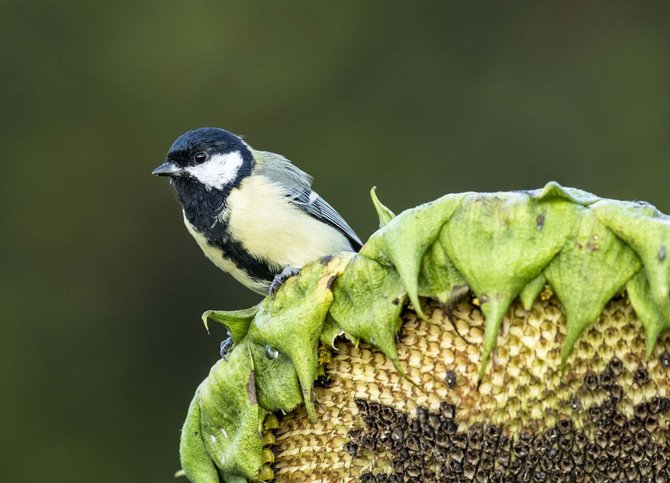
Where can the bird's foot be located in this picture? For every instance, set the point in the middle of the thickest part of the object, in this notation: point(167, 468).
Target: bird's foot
point(226, 345)
point(280, 279)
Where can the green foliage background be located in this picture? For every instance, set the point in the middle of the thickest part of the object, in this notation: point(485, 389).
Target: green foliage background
point(101, 287)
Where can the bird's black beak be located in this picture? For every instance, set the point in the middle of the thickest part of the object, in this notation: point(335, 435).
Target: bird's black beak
point(167, 169)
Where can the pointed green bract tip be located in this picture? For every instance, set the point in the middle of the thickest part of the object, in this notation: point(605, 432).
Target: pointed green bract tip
point(652, 338)
point(494, 307)
point(652, 318)
point(383, 213)
point(416, 305)
point(554, 190)
point(530, 292)
point(309, 405)
point(236, 321)
point(574, 331)
point(390, 351)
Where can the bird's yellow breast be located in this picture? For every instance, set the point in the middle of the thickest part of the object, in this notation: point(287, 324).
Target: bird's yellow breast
point(269, 227)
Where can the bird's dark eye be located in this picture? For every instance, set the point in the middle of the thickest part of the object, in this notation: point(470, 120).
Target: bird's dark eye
point(200, 157)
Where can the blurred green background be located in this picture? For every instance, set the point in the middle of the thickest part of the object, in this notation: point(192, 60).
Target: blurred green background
point(101, 286)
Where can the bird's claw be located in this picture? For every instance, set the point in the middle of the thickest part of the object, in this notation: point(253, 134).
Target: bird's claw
point(280, 279)
point(226, 345)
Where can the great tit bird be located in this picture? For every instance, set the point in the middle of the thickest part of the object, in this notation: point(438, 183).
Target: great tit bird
point(253, 213)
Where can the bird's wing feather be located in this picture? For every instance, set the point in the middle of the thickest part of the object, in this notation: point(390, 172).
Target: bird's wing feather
point(279, 169)
point(319, 208)
point(297, 185)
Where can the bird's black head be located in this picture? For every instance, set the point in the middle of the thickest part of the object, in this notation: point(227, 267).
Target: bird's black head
point(211, 157)
point(204, 165)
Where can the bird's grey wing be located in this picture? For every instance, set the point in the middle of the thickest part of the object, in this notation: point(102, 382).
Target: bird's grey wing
point(280, 170)
point(297, 185)
point(312, 203)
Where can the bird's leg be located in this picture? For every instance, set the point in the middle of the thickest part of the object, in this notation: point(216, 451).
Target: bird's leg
point(226, 345)
point(280, 279)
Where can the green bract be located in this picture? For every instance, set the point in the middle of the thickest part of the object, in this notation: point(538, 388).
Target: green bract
point(498, 245)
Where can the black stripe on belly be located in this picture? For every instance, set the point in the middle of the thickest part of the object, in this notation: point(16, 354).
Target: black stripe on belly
point(252, 266)
point(203, 208)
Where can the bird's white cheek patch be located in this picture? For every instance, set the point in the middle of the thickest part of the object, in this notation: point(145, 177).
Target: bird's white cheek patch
point(218, 171)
